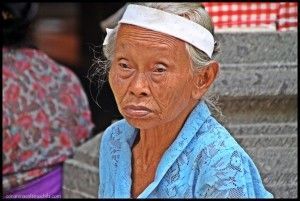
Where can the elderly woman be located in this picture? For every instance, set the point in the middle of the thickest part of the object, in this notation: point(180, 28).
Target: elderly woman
point(169, 145)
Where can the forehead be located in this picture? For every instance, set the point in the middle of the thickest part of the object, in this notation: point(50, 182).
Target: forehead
point(130, 35)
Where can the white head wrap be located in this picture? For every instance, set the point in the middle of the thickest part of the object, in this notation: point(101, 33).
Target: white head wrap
point(171, 24)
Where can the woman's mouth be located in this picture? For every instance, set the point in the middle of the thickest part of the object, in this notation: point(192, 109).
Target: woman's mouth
point(134, 111)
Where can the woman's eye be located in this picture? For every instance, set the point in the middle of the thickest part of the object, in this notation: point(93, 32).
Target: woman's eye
point(160, 68)
point(123, 65)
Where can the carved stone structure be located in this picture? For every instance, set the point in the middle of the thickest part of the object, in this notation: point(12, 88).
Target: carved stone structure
point(257, 91)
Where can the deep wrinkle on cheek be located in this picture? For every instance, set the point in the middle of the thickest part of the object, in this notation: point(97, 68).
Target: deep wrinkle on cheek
point(164, 95)
point(184, 82)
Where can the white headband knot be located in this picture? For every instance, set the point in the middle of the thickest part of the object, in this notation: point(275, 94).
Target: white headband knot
point(171, 24)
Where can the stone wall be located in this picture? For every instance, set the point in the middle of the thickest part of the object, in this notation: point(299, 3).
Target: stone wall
point(257, 89)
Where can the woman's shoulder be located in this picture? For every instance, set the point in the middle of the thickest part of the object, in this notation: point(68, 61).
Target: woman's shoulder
point(214, 138)
point(212, 132)
point(224, 164)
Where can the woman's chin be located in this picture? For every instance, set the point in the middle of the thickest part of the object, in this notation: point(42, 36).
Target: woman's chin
point(141, 123)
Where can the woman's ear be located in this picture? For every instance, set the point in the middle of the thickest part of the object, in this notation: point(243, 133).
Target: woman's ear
point(204, 78)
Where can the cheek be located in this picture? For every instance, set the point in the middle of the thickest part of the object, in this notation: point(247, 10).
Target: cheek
point(117, 85)
point(174, 93)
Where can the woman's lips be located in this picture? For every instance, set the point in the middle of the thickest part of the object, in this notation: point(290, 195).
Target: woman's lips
point(136, 111)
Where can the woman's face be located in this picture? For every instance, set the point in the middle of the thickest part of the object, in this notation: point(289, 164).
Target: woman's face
point(151, 77)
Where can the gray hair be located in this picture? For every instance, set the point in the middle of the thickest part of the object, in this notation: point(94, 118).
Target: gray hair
point(192, 11)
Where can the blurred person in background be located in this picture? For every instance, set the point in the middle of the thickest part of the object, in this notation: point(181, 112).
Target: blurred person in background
point(45, 111)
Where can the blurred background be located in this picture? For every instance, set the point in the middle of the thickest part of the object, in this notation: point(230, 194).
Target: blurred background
point(69, 33)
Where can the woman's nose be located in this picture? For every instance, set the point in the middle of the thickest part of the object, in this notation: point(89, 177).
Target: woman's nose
point(139, 86)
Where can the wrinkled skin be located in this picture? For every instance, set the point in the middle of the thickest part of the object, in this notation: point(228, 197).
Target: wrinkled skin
point(155, 88)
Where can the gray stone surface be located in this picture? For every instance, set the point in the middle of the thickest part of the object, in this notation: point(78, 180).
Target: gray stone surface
point(257, 79)
point(259, 129)
point(280, 179)
point(285, 191)
point(88, 152)
point(274, 159)
point(245, 110)
point(81, 177)
point(257, 47)
point(268, 141)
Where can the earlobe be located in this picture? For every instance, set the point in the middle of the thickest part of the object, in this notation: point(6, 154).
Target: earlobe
point(199, 87)
point(204, 79)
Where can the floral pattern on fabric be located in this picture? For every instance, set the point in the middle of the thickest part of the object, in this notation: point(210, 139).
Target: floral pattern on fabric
point(45, 115)
point(204, 161)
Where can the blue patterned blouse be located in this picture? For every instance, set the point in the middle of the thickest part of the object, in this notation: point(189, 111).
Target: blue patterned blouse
point(204, 161)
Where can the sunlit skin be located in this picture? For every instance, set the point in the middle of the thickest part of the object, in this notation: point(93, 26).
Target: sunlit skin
point(155, 88)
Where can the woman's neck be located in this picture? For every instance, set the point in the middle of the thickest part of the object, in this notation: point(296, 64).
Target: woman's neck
point(161, 137)
point(148, 149)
